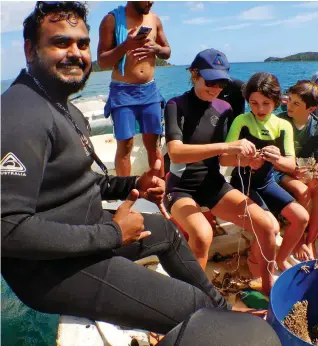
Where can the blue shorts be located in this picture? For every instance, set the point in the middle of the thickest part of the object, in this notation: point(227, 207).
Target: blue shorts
point(148, 117)
point(279, 176)
point(270, 197)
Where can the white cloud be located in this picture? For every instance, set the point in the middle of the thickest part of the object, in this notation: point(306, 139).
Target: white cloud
point(195, 6)
point(18, 45)
point(198, 20)
point(294, 21)
point(232, 27)
point(258, 13)
point(13, 14)
point(312, 4)
point(164, 18)
point(203, 20)
point(204, 46)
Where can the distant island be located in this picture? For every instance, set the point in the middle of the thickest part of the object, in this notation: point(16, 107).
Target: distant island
point(159, 62)
point(308, 56)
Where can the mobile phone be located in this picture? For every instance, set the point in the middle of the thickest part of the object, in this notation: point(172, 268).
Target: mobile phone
point(144, 30)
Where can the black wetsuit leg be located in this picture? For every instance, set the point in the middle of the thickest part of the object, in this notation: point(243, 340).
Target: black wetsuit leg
point(112, 288)
point(209, 327)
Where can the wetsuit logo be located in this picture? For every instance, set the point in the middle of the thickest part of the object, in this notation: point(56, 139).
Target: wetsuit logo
point(265, 132)
point(214, 120)
point(11, 165)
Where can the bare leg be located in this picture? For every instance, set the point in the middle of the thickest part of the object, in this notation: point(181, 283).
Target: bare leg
point(151, 143)
point(302, 194)
point(122, 158)
point(231, 208)
point(298, 218)
point(188, 214)
point(313, 223)
point(255, 255)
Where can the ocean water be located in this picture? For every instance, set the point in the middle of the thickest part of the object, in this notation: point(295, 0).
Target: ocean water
point(21, 326)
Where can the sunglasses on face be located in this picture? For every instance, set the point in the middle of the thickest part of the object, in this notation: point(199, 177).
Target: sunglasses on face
point(216, 83)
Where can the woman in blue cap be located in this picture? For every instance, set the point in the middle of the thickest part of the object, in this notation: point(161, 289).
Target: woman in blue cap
point(195, 134)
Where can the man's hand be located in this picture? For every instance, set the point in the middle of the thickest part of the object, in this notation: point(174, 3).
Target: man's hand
point(241, 147)
point(131, 222)
point(150, 48)
point(153, 188)
point(133, 42)
point(256, 312)
point(271, 154)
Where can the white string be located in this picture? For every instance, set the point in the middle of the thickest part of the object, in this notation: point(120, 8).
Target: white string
point(247, 212)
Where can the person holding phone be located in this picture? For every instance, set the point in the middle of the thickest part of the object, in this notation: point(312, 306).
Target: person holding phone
point(130, 39)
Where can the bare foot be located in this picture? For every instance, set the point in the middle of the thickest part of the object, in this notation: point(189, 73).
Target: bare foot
point(303, 253)
point(257, 285)
point(283, 265)
point(312, 250)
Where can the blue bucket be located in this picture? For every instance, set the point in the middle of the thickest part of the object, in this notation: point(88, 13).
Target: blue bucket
point(292, 286)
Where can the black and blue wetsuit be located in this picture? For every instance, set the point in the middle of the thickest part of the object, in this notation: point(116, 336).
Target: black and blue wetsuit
point(193, 121)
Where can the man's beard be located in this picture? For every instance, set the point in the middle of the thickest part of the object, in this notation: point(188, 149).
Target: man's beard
point(53, 82)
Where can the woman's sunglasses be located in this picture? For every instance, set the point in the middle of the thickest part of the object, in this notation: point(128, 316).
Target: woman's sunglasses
point(216, 83)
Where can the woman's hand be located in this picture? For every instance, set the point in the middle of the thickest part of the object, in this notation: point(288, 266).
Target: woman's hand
point(241, 147)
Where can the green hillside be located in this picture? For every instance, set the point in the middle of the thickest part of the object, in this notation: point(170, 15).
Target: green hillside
point(159, 62)
point(307, 56)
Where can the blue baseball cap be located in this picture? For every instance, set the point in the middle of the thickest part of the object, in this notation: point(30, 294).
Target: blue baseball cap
point(211, 65)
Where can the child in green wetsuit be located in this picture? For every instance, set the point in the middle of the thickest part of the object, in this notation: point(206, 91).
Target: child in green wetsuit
point(273, 137)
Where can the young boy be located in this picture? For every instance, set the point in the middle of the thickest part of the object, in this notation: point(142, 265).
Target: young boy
point(302, 103)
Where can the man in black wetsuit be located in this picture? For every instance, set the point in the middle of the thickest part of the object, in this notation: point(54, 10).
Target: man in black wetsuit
point(61, 253)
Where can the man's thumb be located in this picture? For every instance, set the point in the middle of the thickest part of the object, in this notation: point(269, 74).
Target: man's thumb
point(132, 30)
point(131, 199)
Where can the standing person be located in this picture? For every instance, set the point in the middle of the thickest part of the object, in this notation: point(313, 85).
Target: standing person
point(194, 135)
point(61, 252)
point(274, 137)
point(133, 92)
point(302, 103)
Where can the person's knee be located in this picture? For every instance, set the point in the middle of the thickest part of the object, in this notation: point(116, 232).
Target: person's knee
point(201, 241)
point(124, 147)
point(296, 215)
point(303, 195)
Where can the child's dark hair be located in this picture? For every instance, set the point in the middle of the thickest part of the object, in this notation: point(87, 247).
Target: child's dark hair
point(307, 91)
point(63, 10)
point(265, 83)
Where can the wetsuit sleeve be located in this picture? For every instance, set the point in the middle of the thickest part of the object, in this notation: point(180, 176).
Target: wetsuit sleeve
point(116, 187)
point(235, 129)
point(172, 125)
point(289, 148)
point(27, 136)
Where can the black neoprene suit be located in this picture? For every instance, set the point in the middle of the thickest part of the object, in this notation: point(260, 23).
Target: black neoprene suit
point(61, 253)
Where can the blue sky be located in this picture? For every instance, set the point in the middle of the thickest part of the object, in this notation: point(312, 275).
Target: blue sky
point(244, 30)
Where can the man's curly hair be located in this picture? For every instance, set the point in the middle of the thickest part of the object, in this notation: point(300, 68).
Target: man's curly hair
point(70, 11)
